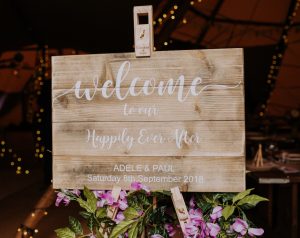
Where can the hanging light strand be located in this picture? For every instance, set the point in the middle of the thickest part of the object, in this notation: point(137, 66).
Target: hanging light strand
point(278, 57)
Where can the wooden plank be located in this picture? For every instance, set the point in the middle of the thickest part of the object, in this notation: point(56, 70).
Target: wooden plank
point(209, 105)
point(213, 66)
point(204, 138)
point(203, 174)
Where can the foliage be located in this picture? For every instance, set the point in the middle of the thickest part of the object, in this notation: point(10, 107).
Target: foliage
point(211, 214)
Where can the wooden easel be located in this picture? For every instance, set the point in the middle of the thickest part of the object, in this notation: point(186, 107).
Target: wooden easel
point(258, 158)
point(143, 39)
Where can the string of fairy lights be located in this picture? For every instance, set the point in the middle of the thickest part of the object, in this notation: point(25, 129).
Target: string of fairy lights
point(277, 58)
point(29, 232)
point(33, 115)
point(170, 13)
point(42, 74)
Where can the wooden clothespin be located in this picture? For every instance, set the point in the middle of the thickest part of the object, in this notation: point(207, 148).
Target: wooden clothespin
point(143, 30)
point(111, 211)
point(180, 208)
point(258, 158)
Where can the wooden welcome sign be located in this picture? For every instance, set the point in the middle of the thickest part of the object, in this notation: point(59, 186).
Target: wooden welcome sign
point(172, 119)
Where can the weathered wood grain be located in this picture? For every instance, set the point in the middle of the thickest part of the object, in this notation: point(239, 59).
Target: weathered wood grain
point(215, 120)
point(223, 174)
point(216, 138)
point(209, 105)
point(221, 66)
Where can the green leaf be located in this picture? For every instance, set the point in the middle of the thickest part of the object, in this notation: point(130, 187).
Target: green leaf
point(228, 211)
point(75, 225)
point(101, 213)
point(99, 234)
point(252, 200)
point(91, 198)
point(241, 195)
point(121, 228)
point(133, 231)
point(65, 233)
point(90, 223)
point(131, 213)
point(85, 215)
point(86, 205)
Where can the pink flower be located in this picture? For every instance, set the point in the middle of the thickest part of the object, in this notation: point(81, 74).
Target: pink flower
point(120, 217)
point(196, 216)
point(255, 232)
point(170, 229)
point(61, 197)
point(213, 229)
point(139, 186)
point(216, 213)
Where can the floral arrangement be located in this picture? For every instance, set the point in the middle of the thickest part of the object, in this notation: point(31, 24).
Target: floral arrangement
point(212, 215)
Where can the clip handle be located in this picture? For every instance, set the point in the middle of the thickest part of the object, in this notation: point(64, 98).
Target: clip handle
point(143, 30)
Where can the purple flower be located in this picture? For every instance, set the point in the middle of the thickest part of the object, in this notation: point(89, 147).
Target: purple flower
point(192, 202)
point(255, 232)
point(98, 193)
point(76, 192)
point(213, 229)
point(61, 197)
point(196, 216)
point(120, 217)
point(108, 198)
point(156, 236)
point(191, 230)
point(170, 229)
point(216, 213)
point(240, 226)
point(122, 204)
point(123, 194)
point(101, 203)
point(139, 186)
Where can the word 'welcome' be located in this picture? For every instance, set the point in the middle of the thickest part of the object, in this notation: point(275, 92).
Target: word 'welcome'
point(150, 86)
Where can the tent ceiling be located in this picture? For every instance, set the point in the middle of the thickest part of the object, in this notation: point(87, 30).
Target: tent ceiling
point(106, 26)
